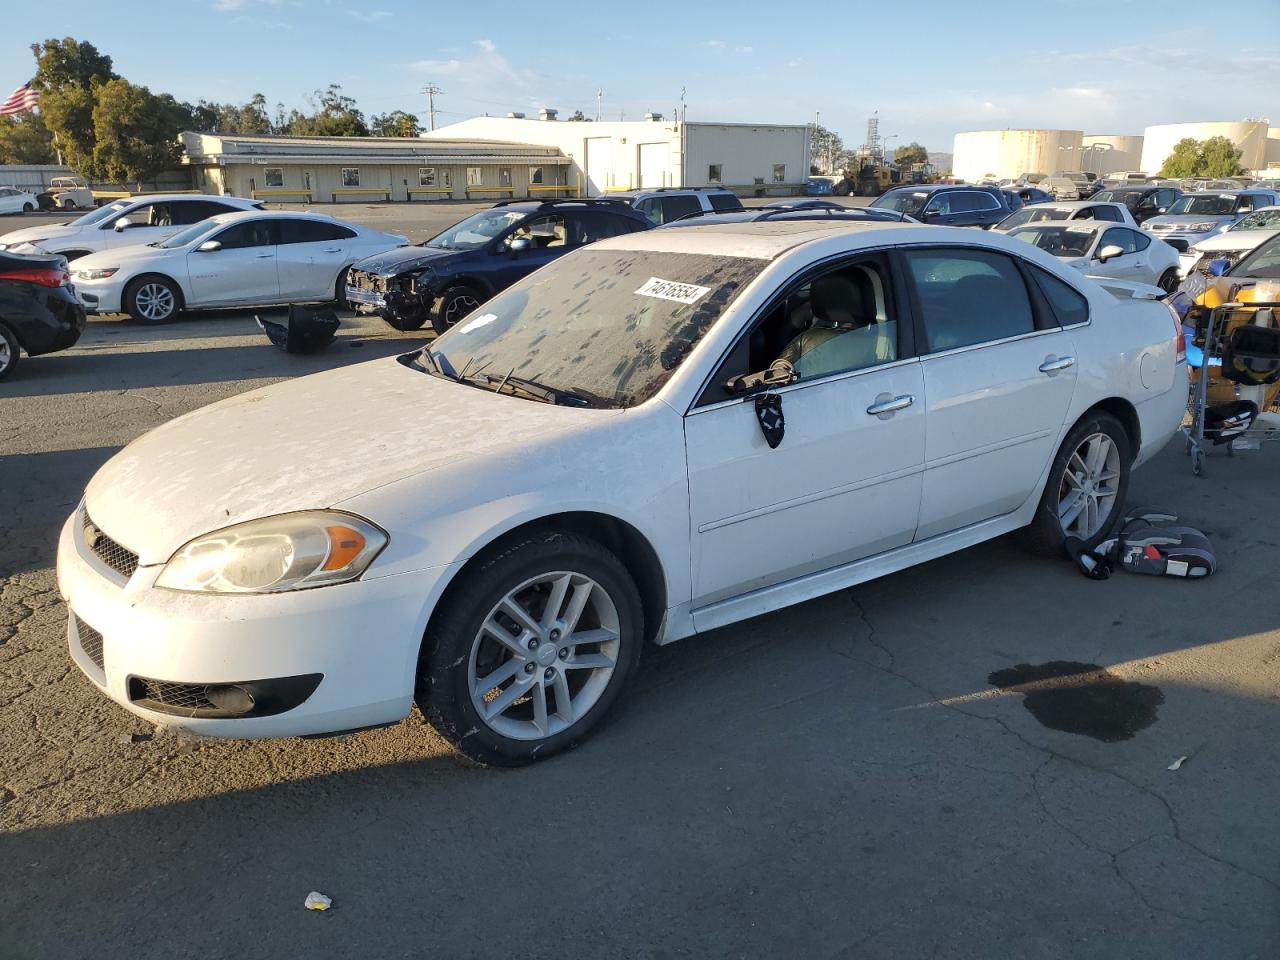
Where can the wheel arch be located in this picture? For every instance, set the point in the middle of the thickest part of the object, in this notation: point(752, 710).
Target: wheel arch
point(1127, 414)
point(467, 280)
point(626, 542)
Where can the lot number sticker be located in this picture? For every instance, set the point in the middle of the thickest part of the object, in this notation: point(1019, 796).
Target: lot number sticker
point(673, 290)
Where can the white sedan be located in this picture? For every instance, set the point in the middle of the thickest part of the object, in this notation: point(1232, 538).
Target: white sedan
point(236, 259)
point(652, 437)
point(1067, 210)
point(1103, 249)
point(13, 200)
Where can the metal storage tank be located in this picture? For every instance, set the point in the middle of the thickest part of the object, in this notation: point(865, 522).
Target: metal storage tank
point(1010, 153)
point(1250, 136)
point(1105, 153)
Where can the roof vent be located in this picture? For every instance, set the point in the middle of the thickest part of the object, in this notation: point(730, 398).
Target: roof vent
point(513, 115)
point(653, 117)
point(547, 113)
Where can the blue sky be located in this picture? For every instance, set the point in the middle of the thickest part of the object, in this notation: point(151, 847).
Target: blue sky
point(1112, 67)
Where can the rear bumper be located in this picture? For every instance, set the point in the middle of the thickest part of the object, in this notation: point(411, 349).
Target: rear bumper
point(53, 320)
point(1160, 418)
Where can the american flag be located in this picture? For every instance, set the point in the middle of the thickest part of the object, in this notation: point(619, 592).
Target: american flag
point(20, 101)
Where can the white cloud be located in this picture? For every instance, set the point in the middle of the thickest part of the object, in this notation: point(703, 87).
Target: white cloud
point(486, 45)
point(743, 49)
point(230, 6)
point(370, 16)
point(714, 44)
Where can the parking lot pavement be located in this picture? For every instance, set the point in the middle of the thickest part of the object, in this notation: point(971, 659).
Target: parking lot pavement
point(841, 779)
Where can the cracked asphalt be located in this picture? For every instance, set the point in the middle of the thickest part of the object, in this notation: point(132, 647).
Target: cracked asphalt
point(835, 780)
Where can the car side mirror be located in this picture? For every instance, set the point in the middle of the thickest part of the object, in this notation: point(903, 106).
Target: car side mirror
point(519, 245)
point(1109, 251)
point(124, 223)
point(779, 374)
point(1162, 209)
point(1219, 267)
point(209, 246)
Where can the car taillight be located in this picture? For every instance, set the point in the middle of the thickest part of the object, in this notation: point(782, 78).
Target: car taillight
point(1179, 337)
point(43, 276)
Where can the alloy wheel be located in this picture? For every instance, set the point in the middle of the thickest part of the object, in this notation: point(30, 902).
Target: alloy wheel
point(155, 301)
point(455, 308)
point(6, 357)
point(543, 655)
point(1090, 484)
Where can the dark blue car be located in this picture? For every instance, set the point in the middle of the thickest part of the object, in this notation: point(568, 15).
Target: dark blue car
point(448, 276)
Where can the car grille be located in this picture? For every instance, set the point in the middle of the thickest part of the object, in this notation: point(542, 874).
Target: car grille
point(90, 641)
point(165, 697)
point(1162, 227)
point(120, 559)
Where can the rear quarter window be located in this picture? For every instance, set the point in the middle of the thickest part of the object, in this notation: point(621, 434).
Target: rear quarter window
point(1068, 305)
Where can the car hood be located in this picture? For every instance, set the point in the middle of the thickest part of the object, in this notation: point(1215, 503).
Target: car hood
point(1235, 240)
point(124, 256)
point(1182, 219)
point(308, 443)
point(48, 231)
point(403, 259)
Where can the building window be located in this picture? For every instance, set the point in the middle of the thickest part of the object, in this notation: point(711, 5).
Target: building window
point(713, 173)
point(504, 176)
point(779, 173)
point(426, 176)
point(536, 176)
point(351, 176)
point(473, 177)
point(273, 176)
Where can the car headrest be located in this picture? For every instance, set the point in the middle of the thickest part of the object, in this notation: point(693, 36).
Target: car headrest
point(843, 300)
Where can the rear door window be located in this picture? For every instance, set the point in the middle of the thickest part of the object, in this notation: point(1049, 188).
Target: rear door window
point(311, 231)
point(969, 297)
point(724, 201)
point(673, 208)
point(254, 233)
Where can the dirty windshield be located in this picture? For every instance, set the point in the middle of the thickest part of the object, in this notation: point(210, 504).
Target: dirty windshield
point(1213, 205)
point(1034, 214)
point(475, 232)
point(606, 326)
point(910, 202)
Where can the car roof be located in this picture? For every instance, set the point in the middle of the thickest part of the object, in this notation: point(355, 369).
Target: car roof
point(276, 215)
point(170, 197)
point(756, 239)
point(781, 214)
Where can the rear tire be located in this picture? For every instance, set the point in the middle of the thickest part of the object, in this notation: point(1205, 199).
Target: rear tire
point(1168, 281)
point(555, 673)
point(28, 208)
point(152, 299)
point(1093, 465)
point(454, 304)
point(10, 352)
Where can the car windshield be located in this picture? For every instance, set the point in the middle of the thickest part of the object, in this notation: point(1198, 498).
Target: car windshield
point(1061, 241)
point(1033, 214)
point(1130, 198)
point(102, 213)
point(910, 202)
point(182, 238)
point(477, 231)
point(1262, 264)
point(1217, 204)
point(1259, 219)
point(607, 327)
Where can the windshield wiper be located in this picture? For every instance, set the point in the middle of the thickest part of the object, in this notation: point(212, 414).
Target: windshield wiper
point(531, 388)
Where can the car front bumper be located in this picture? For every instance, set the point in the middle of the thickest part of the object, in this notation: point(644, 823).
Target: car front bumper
point(100, 296)
point(322, 660)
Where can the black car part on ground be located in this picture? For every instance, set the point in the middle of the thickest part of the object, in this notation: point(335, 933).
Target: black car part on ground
point(39, 312)
point(304, 330)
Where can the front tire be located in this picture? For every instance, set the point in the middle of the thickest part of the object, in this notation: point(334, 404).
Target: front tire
point(10, 352)
point(152, 300)
point(530, 651)
point(454, 304)
point(1084, 495)
point(28, 208)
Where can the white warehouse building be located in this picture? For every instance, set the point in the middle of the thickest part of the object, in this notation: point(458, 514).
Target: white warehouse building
point(611, 156)
point(1002, 154)
point(1249, 136)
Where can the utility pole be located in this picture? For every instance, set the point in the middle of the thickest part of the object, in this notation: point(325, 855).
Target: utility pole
point(431, 90)
point(599, 102)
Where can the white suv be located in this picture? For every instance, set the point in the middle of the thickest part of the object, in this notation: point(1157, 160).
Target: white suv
point(124, 223)
point(668, 204)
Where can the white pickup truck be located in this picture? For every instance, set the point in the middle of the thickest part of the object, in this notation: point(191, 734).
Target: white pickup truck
point(67, 193)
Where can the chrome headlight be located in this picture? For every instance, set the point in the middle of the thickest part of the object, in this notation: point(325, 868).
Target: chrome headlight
point(96, 273)
point(292, 551)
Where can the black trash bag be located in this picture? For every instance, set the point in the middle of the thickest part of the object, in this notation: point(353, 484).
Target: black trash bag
point(306, 330)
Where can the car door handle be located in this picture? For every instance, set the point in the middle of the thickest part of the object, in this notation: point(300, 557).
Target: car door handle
point(1054, 364)
point(333, 250)
point(265, 256)
point(890, 404)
